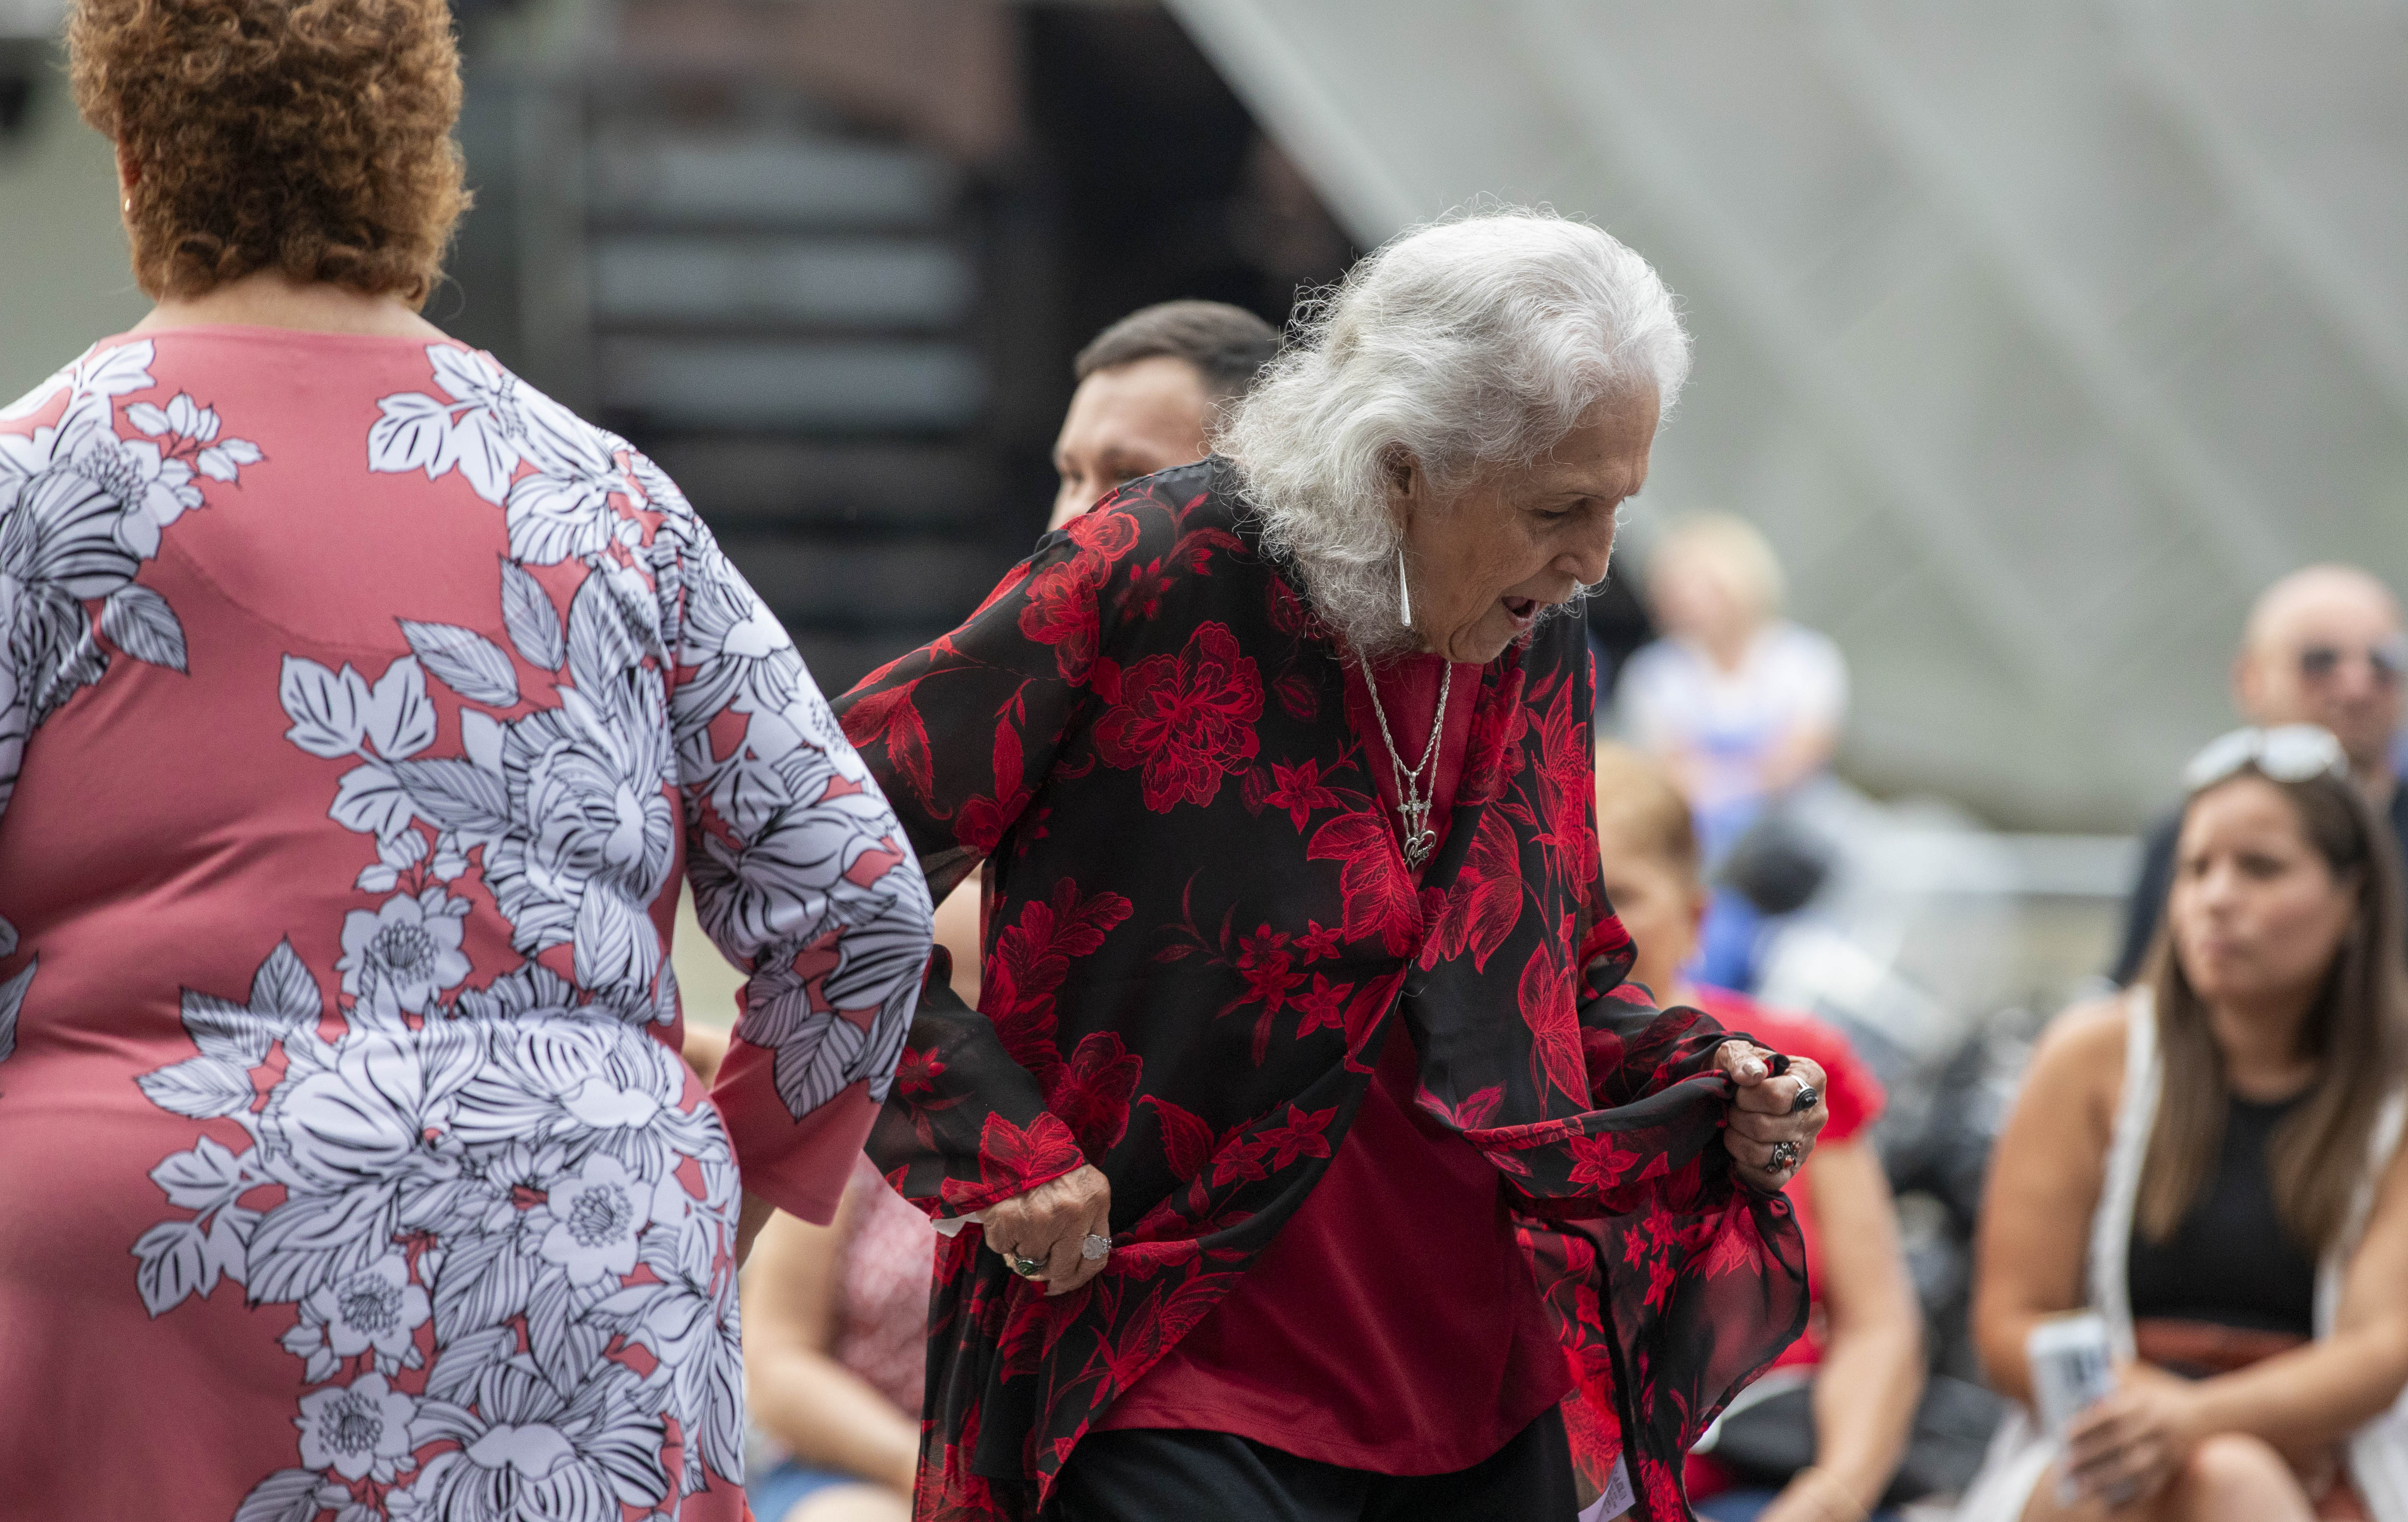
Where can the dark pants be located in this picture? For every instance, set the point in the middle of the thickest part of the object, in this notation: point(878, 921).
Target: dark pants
point(1156, 1474)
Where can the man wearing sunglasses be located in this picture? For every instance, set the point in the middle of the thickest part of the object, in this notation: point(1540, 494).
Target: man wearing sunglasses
point(2323, 646)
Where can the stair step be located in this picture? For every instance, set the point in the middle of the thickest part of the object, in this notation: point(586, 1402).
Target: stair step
point(749, 484)
point(926, 584)
point(769, 181)
point(810, 280)
point(896, 385)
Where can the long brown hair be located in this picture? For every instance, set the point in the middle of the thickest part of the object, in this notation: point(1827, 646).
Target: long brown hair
point(2354, 1032)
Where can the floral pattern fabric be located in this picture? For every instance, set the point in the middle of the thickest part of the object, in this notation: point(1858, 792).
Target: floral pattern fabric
point(361, 710)
point(1199, 931)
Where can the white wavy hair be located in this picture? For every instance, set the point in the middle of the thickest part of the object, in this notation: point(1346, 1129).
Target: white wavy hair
point(1473, 344)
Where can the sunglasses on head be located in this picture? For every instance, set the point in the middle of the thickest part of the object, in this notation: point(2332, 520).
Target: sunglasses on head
point(2386, 658)
point(2290, 752)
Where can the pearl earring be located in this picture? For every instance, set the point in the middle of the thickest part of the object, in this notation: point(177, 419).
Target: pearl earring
point(1404, 591)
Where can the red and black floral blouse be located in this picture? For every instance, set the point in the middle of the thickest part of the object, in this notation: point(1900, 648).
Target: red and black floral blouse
point(1199, 927)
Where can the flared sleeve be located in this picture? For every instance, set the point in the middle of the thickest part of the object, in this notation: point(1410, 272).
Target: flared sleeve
point(801, 877)
point(1671, 1283)
point(961, 733)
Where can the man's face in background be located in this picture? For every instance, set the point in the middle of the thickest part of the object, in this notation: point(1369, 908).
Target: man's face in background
point(1125, 421)
point(2326, 648)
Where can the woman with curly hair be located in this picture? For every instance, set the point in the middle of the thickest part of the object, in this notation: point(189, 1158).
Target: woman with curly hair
point(360, 710)
point(1298, 971)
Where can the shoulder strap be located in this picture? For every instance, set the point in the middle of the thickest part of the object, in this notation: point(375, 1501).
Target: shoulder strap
point(2382, 1142)
point(2111, 1224)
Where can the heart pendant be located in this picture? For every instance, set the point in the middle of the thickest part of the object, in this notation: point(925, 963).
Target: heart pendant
point(1417, 848)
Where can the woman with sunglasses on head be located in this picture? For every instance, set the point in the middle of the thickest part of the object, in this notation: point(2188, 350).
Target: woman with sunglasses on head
point(2323, 646)
point(2211, 1163)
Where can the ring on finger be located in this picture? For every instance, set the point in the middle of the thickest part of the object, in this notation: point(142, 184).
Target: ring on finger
point(1095, 1247)
point(1027, 1268)
point(1807, 1098)
point(1785, 1155)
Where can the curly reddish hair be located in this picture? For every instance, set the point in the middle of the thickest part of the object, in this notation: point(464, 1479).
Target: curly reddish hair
point(308, 137)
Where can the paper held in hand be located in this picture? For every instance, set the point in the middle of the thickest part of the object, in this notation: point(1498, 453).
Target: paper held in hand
point(2071, 1367)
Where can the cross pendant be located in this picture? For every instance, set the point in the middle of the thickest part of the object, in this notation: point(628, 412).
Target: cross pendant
point(1418, 837)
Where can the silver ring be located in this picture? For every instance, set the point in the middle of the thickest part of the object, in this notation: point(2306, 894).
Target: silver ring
point(1029, 1268)
point(1807, 1098)
point(1785, 1155)
point(1095, 1248)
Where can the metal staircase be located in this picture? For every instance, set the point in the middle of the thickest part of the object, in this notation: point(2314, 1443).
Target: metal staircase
point(792, 313)
point(782, 316)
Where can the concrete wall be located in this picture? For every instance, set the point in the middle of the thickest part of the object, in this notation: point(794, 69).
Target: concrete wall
point(63, 277)
point(2037, 337)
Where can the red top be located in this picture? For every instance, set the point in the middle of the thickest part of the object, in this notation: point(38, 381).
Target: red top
point(1855, 1098)
point(1392, 1324)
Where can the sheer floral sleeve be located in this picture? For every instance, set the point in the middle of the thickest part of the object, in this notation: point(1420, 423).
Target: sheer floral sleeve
point(965, 731)
point(801, 876)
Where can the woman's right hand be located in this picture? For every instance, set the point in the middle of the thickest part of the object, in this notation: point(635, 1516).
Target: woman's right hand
point(1764, 1114)
point(1050, 1223)
point(2130, 1442)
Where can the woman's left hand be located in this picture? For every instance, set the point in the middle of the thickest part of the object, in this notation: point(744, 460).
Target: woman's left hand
point(1769, 1136)
point(2125, 1447)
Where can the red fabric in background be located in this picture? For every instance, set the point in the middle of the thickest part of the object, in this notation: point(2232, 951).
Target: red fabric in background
point(1321, 1349)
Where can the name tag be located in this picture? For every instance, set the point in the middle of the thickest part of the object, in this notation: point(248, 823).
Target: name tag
point(1618, 1496)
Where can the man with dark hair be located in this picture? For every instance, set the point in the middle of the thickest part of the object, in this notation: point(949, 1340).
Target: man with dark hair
point(1149, 386)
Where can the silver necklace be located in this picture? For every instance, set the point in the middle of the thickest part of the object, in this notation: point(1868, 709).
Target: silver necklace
point(1413, 795)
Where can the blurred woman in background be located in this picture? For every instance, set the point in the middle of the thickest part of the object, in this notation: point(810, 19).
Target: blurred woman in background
point(2211, 1163)
point(1863, 1347)
point(836, 1335)
point(1740, 703)
point(836, 1356)
point(357, 711)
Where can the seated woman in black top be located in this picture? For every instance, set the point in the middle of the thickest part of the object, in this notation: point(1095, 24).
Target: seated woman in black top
point(2190, 1159)
point(2229, 1284)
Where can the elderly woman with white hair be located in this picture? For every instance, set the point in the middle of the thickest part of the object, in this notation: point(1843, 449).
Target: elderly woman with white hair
point(1298, 972)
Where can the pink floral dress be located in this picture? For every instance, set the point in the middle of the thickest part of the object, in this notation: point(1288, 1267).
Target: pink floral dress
point(360, 711)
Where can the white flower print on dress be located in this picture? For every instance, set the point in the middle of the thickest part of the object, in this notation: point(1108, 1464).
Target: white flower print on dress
point(153, 489)
point(596, 1214)
point(13, 995)
point(186, 418)
point(377, 1310)
point(593, 834)
point(402, 954)
point(360, 1432)
point(687, 1318)
point(592, 1085)
point(488, 1172)
point(81, 510)
point(406, 1212)
point(526, 1452)
point(491, 425)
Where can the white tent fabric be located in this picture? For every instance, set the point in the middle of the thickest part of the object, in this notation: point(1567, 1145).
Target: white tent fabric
point(2037, 337)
